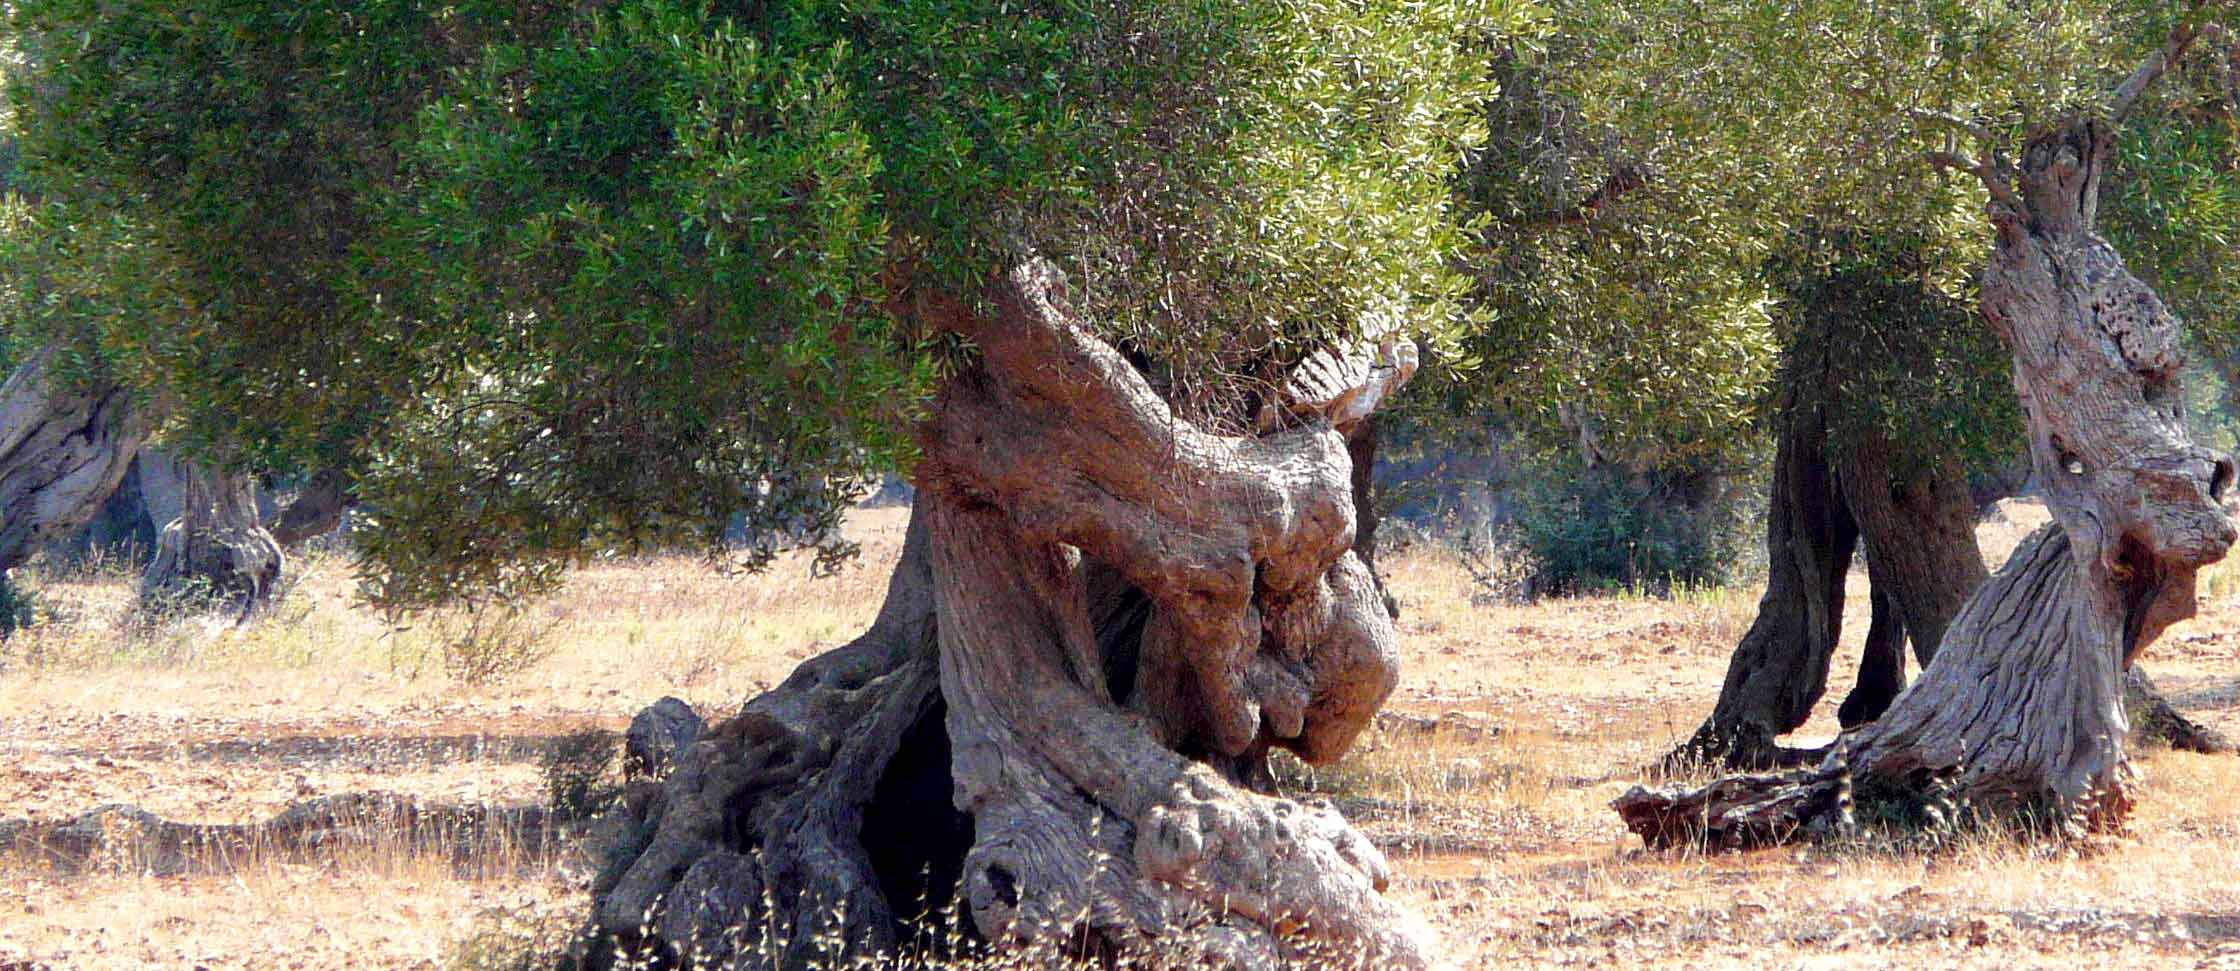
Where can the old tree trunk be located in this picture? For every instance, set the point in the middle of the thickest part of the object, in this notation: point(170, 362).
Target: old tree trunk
point(1103, 619)
point(1832, 494)
point(63, 449)
point(216, 552)
point(2022, 705)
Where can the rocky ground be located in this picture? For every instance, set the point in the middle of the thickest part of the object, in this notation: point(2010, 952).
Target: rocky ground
point(1487, 784)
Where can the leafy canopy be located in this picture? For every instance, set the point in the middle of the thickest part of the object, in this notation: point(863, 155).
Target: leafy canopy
point(1656, 315)
point(559, 280)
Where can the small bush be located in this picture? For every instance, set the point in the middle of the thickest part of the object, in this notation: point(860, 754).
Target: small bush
point(1602, 527)
point(488, 646)
point(521, 938)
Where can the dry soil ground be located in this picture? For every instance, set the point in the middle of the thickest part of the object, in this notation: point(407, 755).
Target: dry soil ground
point(1497, 822)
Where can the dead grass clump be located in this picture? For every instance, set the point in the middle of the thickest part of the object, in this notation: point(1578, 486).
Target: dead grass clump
point(523, 937)
point(478, 646)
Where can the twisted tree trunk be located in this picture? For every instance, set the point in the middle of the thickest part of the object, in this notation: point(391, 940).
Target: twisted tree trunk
point(2022, 705)
point(63, 449)
point(1780, 668)
point(1922, 559)
point(216, 552)
point(1103, 618)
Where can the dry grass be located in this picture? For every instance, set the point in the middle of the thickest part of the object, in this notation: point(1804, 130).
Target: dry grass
point(1497, 820)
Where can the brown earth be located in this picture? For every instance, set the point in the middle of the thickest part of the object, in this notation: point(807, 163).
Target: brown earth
point(1514, 727)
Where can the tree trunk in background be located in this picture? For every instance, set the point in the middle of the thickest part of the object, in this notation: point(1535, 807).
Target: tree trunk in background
point(1918, 525)
point(1882, 659)
point(1780, 668)
point(163, 486)
point(1103, 617)
point(216, 551)
point(2022, 705)
point(1361, 450)
point(315, 511)
point(62, 452)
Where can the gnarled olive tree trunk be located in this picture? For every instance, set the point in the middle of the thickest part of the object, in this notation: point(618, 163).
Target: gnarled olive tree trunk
point(63, 449)
point(216, 551)
point(1780, 668)
point(1922, 559)
point(1837, 486)
point(2022, 705)
point(1103, 618)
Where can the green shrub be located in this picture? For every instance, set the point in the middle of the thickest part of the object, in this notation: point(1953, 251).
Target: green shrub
point(1604, 527)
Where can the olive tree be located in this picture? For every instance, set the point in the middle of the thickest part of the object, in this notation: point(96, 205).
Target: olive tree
point(1112, 282)
point(2021, 704)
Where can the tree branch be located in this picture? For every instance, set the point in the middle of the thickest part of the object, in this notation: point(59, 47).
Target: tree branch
point(2000, 191)
point(2181, 37)
point(1954, 122)
point(1623, 178)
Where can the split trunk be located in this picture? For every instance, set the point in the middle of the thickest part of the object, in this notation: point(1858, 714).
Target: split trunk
point(217, 552)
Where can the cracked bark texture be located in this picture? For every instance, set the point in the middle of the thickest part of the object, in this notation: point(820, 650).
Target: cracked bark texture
point(1103, 619)
point(216, 551)
point(2022, 704)
point(63, 450)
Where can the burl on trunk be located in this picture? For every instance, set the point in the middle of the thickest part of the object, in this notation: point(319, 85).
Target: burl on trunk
point(2022, 705)
point(1104, 618)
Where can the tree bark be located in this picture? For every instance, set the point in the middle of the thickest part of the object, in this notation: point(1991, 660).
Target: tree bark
point(1103, 618)
point(1917, 522)
point(63, 449)
point(1780, 668)
point(1919, 526)
point(216, 552)
point(2022, 705)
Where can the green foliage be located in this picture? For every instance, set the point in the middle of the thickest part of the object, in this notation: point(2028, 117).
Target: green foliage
point(1653, 315)
point(2172, 203)
point(1601, 527)
point(238, 147)
point(1901, 357)
point(558, 282)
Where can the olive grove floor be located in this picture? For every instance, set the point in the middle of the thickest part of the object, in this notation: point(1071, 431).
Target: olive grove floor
point(1514, 727)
